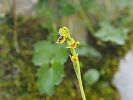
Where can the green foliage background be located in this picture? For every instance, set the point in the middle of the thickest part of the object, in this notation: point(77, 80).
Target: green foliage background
point(42, 70)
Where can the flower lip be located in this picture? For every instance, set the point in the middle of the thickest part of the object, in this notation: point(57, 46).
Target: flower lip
point(74, 58)
point(72, 44)
point(61, 39)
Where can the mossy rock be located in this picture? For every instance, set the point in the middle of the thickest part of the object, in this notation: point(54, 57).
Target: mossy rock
point(18, 78)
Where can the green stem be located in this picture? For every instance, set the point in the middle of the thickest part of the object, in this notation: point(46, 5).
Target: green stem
point(6, 4)
point(15, 35)
point(78, 74)
point(77, 69)
point(87, 21)
point(85, 17)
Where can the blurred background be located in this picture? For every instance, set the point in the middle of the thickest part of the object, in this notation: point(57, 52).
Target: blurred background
point(34, 67)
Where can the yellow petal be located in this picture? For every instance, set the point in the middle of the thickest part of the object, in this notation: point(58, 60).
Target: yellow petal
point(64, 31)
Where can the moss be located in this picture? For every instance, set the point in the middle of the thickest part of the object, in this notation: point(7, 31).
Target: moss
point(18, 76)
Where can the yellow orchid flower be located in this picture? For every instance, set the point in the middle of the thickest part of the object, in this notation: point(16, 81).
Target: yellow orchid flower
point(72, 43)
point(74, 58)
point(61, 39)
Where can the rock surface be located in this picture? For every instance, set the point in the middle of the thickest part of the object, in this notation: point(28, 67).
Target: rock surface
point(23, 7)
point(123, 79)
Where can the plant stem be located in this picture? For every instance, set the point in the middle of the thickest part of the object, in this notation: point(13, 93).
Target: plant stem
point(15, 37)
point(80, 80)
point(85, 17)
point(86, 20)
point(6, 4)
point(76, 66)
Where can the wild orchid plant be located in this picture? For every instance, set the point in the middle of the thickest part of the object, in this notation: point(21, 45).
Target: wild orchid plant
point(72, 44)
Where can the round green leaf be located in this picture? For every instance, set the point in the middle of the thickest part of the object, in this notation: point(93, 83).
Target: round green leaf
point(91, 76)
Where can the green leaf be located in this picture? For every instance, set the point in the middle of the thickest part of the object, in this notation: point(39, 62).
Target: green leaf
point(43, 52)
point(91, 76)
point(61, 55)
point(108, 33)
point(50, 57)
point(58, 72)
point(49, 77)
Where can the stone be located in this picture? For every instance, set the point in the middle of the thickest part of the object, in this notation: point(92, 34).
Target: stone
point(123, 79)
